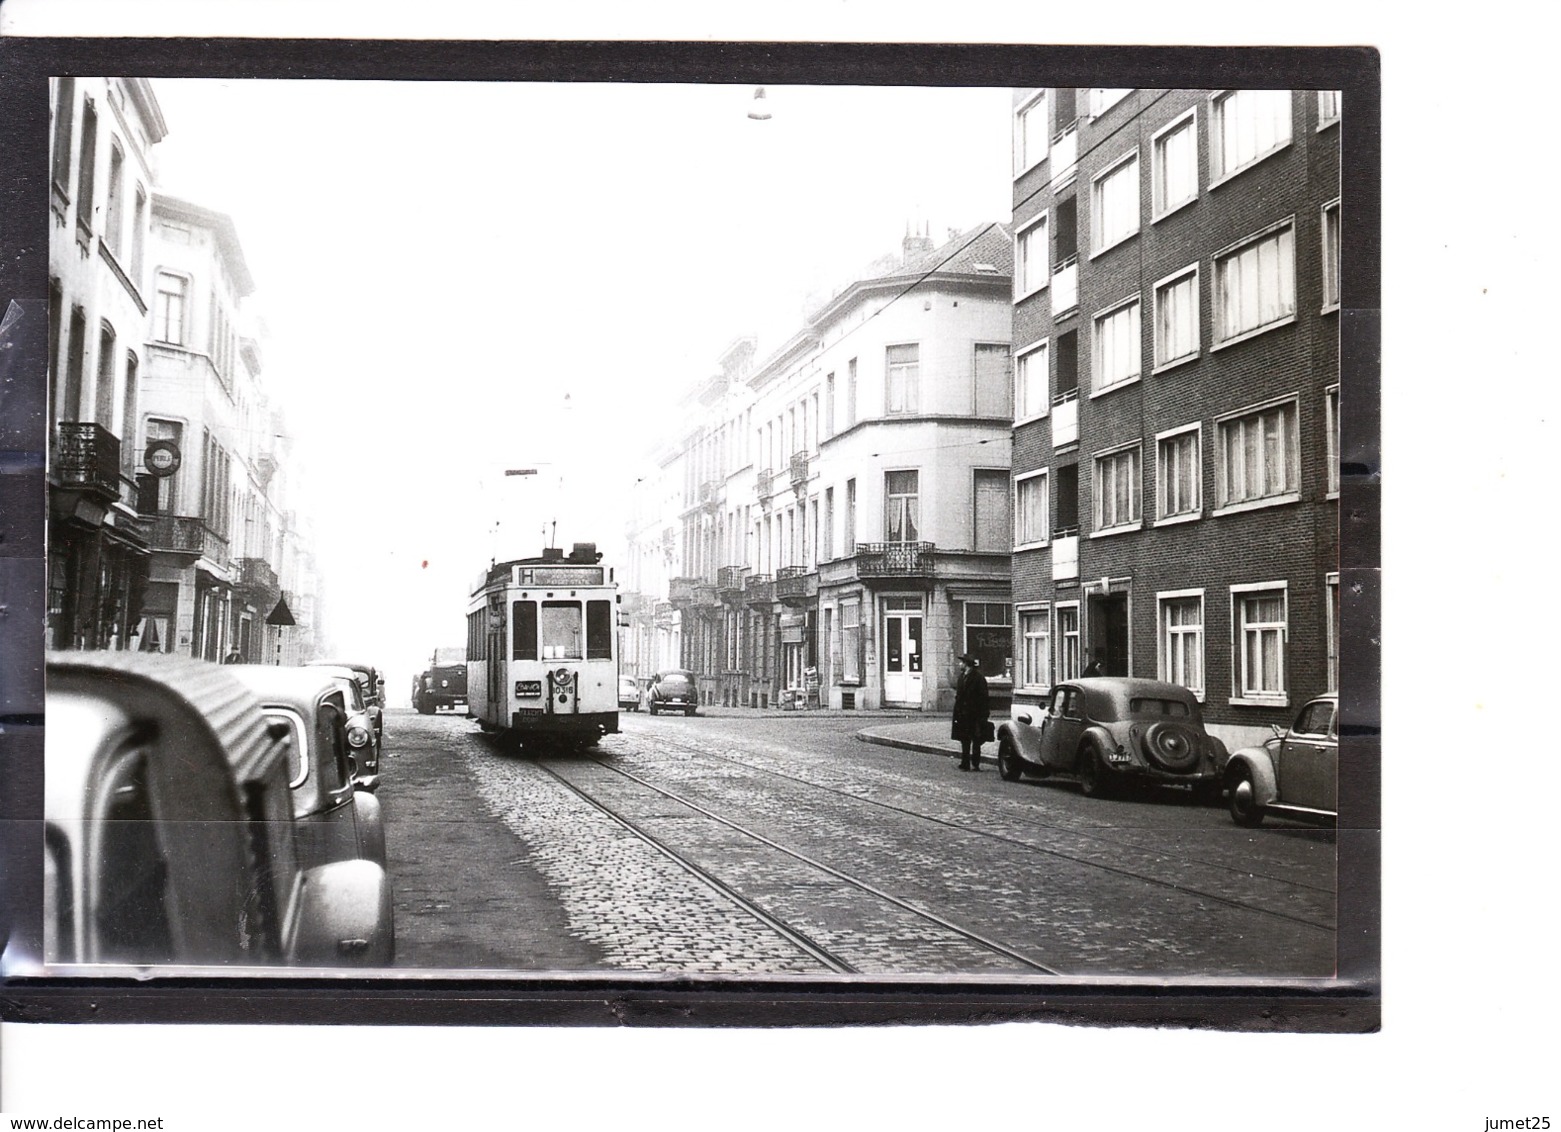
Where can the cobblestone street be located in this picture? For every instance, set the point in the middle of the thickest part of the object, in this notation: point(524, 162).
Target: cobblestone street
point(741, 843)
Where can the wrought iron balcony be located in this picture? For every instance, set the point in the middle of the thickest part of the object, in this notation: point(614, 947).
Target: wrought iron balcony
point(791, 584)
point(764, 485)
point(258, 574)
point(759, 592)
point(87, 455)
point(799, 469)
point(187, 534)
point(729, 580)
point(894, 559)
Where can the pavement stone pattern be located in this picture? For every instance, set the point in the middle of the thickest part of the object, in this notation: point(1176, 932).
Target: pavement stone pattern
point(638, 908)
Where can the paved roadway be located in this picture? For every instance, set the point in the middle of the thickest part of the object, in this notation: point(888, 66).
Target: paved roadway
point(810, 852)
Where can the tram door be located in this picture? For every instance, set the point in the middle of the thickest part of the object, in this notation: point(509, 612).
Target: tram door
point(498, 662)
point(902, 659)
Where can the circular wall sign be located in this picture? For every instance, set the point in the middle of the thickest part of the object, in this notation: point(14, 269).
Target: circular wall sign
point(162, 457)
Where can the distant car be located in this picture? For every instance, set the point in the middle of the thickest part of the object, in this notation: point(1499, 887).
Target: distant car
point(1295, 774)
point(372, 681)
point(672, 690)
point(338, 816)
point(1110, 732)
point(442, 684)
point(170, 834)
point(628, 693)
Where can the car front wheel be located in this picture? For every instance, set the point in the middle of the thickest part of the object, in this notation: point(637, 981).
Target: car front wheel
point(1008, 760)
point(1244, 808)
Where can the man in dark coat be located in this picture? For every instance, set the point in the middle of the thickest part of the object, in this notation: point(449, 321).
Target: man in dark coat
point(971, 712)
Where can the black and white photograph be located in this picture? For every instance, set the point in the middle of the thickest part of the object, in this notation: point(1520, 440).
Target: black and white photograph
point(790, 531)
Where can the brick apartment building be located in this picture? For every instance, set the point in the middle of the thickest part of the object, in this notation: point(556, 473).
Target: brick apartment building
point(1176, 375)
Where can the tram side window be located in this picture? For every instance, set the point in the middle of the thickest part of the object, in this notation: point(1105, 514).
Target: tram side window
point(598, 630)
point(561, 630)
point(525, 630)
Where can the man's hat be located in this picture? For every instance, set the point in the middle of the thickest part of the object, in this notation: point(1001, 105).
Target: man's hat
point(966, 658)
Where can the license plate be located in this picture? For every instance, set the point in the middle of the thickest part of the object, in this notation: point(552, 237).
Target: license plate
point(528, 688)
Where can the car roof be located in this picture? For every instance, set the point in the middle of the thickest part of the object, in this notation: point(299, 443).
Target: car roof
point(199, 698)
point(361, 666)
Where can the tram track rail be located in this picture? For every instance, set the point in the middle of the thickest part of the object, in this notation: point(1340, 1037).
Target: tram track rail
point(1161, 882)
point(812, 947)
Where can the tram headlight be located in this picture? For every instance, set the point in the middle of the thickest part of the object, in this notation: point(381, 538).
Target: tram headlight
point(358, 736)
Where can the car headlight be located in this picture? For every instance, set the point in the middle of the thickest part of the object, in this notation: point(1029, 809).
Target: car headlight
point(358, 736)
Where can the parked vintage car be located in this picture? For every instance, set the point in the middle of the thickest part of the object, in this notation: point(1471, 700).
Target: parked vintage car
point(372, 681)
point(361, 737)
point(1111, 732)
point(672, 690)
point(628, 694)
point(1295, 774)
point(333, 795)
point(170, 835)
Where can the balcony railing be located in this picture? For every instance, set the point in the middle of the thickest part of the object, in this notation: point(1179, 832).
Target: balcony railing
point(1065, 418)
point(1065, 286)
point(87, 455)
point(1065, 154)
point(729, 580)
point(258, 574)
point(799, 469)
point(791, 584)
point(680, 591)
point(894, 559)
point(759, 592)
point(1065, 555)
point(764, 485)
point(187, 534)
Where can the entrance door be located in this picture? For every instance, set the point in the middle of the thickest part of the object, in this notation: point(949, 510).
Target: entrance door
point(1108, 633)
point(902, 657)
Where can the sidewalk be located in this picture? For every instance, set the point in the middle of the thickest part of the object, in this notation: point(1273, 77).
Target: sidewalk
point(929, 736)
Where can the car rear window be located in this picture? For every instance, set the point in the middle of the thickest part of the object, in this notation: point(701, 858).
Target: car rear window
point(675, 682)
point(1145, 705)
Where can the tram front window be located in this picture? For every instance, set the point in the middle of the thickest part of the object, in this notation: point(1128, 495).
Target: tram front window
point(561, 630)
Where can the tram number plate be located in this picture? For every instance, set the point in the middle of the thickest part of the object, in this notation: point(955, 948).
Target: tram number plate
point(528, 688)
point(530, 711)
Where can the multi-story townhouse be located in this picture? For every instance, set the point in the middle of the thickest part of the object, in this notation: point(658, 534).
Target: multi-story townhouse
point(101, 186)
point(1176, 295)
point(217, 506)
point(846, 512)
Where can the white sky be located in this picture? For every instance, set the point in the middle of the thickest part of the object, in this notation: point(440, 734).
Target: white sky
point(441, 265)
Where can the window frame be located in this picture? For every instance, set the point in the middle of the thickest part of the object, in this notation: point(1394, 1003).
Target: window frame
point(1021, 372)
point(1099, 527)
point(1219, 171)
point(160, 320)
point(911, 386)
point(1162, 518)
point(1331, 626)
point(1239, 694)
point(1133, 301)
point(1331, 440)
point(1043, 260)
point(1222, 503)
point(1324, 118)
point(1060, 640)
point(1273, 231)
point(1042, 612)
point(1007, 625)
point(1021, 112)
point(1163, 634)
point(914, 496)
point(1020, 528)
point(1194, 270)
point(1097, 185)
point(1158, 208)
point(1098, 99)
point(1331, 237)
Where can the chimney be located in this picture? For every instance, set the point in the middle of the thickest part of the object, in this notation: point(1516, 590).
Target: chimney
point(915, 245)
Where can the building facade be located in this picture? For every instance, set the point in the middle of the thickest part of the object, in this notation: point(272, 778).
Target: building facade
point(101, 185)
point(225, 540)
point(843, 530)
point(1176, 393)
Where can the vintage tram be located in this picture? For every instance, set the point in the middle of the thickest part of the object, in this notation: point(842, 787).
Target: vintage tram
point(542, 648)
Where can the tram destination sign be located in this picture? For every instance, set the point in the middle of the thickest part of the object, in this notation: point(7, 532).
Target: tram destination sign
point(558, 575)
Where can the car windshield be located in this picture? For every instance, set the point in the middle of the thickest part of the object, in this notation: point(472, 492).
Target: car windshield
point(1146, 705)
